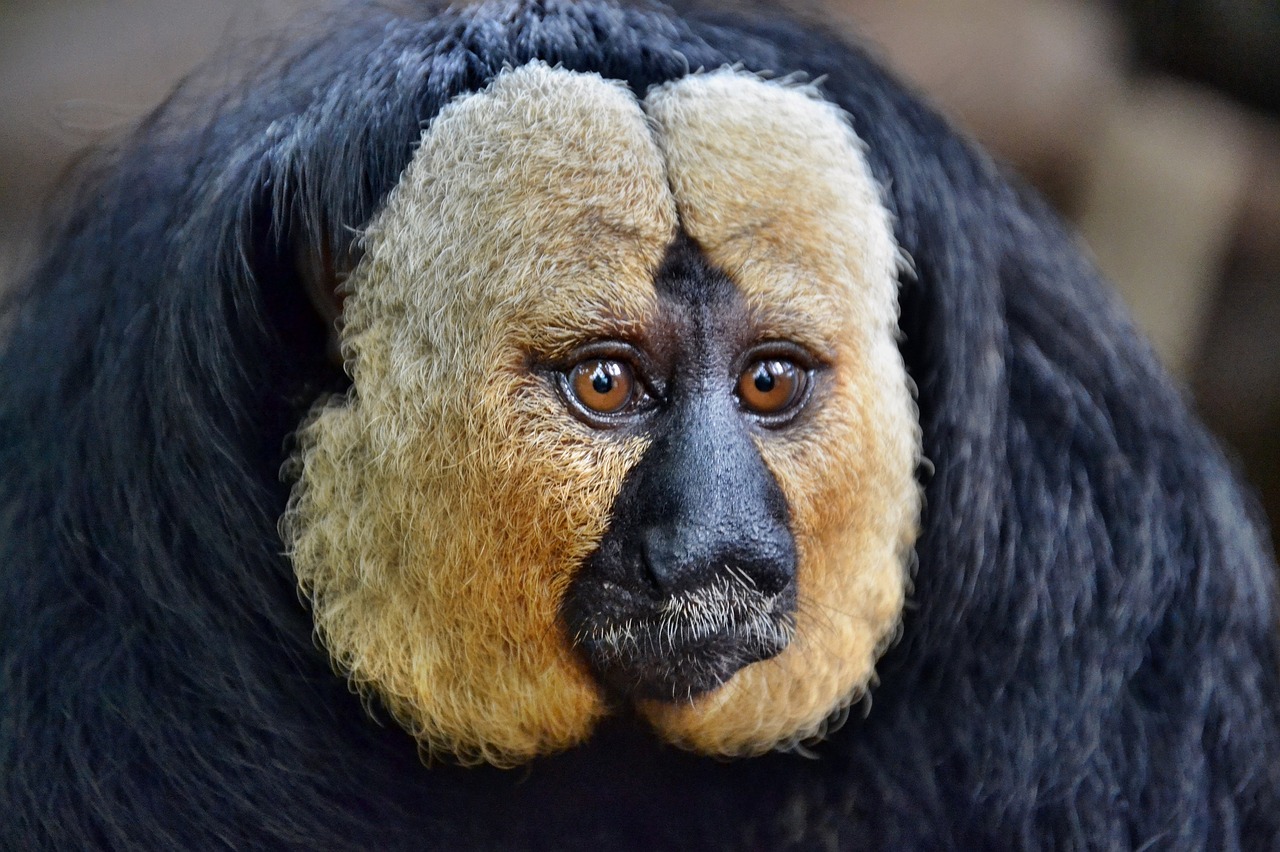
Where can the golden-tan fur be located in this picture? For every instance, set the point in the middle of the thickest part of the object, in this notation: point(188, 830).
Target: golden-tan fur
point(771, 183)
point(444, 506)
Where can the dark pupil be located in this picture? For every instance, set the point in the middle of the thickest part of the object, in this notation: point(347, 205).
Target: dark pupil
point(764, 379)
point(601, 382)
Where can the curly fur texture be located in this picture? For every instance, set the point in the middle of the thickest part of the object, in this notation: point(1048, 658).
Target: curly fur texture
point(1088, 659)
point(771, 182)
point(444, 505)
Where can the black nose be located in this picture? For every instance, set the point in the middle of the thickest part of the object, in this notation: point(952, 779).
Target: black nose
point(703, 505)
point(694, 579)
point(684, 554)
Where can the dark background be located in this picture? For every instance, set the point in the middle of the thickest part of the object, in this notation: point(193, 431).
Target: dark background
point(1154, 125)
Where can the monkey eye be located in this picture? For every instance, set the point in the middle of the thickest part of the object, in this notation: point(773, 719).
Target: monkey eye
point(772, 387)
point(603, 385)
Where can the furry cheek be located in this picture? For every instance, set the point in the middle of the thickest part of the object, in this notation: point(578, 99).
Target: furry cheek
point(854, 503)
point(436, 580)
point(820, 236)
point(441, 509)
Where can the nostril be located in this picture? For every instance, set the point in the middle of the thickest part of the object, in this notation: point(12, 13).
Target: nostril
point(673, 563)
point(660, 569)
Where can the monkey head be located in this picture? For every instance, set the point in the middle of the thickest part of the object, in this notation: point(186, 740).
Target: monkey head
point(628, 423)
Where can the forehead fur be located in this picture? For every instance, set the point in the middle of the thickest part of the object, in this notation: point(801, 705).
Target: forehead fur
point(532, 205)
point(771, 182)
point(443, 507)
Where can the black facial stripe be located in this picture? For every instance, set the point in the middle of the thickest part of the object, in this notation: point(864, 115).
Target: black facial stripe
point(699, 510)
point(705, 497)
point(688, 278)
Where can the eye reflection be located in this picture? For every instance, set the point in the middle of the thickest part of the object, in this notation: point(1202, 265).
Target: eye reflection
point(771, 386)
point(602, 386)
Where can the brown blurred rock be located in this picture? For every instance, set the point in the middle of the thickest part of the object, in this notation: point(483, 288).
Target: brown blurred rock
point(1161, 197)
point(1031, 79)
point(74, 71)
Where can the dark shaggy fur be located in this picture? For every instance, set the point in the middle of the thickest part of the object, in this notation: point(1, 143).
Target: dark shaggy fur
point(1090, 660)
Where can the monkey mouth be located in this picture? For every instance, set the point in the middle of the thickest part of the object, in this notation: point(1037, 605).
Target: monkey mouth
point(688, 644)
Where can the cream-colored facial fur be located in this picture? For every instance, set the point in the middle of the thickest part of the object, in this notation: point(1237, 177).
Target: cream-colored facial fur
point(444, 506)
point(771, 183)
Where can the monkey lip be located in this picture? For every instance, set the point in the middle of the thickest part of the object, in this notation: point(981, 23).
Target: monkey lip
point(686, 645)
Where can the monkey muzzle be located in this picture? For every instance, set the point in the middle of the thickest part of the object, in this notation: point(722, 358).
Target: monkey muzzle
point(670, 611)
point(688, 643)
point(695, 577)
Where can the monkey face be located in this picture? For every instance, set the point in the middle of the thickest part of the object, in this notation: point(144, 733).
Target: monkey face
point(628, 423)
point(694, 577)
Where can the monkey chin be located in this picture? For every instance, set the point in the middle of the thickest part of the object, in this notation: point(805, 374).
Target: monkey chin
point(737, 718)
point(688, 645)
point(794, 696)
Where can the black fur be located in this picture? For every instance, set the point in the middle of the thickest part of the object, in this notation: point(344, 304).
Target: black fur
point(1090, 660)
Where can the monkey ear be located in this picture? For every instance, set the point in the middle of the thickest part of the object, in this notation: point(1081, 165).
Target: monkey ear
point(322, 273)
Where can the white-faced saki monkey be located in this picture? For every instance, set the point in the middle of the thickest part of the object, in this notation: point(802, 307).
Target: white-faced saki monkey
point(550, 425)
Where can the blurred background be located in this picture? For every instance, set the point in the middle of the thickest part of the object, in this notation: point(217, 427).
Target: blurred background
point(1153, 125)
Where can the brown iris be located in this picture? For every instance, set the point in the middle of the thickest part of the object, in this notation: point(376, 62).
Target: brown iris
point(603, 386)
point(771, 386)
